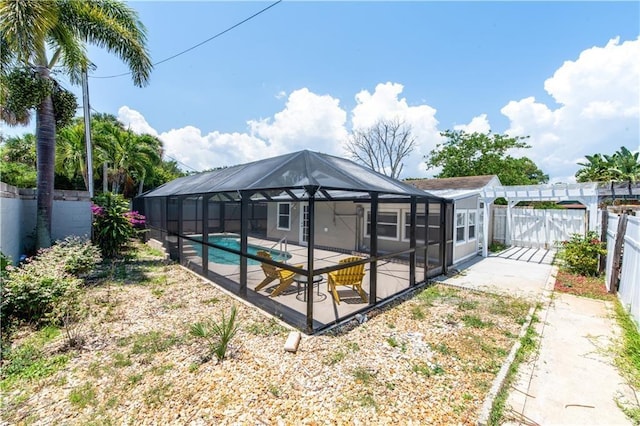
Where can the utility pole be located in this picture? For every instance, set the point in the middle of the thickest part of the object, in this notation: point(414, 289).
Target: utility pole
point(87, 129)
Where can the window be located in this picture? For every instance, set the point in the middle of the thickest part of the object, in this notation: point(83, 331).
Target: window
point(461, 223)
point(284, 216)
point(420, 226)
point(387, 225)
point(472, 225)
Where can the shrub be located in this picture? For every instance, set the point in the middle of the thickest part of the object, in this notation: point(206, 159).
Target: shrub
point(113, 223)
point(217, 334)
point(579, 255)
point(47, 285)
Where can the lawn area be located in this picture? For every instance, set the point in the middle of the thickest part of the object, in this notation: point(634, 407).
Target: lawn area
point(428, 359)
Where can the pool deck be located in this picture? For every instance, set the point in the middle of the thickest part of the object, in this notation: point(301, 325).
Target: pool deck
point(290, 305)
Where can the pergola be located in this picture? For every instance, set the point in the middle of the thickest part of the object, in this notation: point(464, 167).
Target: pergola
point(585, 193)
point(243, 199)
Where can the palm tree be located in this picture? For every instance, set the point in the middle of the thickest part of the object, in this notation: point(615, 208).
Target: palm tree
point(38, 35)
point(70, 152)
point(133, 156)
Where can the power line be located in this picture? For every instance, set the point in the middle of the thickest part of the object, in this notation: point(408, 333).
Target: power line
point(199, 44)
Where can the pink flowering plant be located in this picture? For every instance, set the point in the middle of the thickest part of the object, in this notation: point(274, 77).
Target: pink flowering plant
point(114, 224)
point(580, 254)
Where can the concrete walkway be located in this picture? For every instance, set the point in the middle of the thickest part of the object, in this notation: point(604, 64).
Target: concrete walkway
point(571, 379)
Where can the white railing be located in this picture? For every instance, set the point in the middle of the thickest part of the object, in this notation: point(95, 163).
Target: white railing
point(281, 241)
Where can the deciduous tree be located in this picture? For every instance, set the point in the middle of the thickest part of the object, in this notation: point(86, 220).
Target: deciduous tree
point(476, 154)
point(383, 146)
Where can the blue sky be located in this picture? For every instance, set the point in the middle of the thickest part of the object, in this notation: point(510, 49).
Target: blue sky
point(302, 75)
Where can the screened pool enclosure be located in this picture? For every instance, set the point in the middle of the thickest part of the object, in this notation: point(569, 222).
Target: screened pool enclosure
point(263, 230)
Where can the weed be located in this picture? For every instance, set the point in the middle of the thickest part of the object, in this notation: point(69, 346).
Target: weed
point(442, 348)
point(629, 360)
point(121, 360)
point(475, 322)
point(193, 367)
point(269, 328)
point(82, 396)
point(28, 362)
point(391, 325)
point(353, 346)
point(527, 346)
point(392, 341)
point(155, 396)
point(497, 246)
point(367, 400)
point(417, 313)
point(363, 375)
point(218, 334)
point(467, 305)
point(335, 358)
point(157, 292)
point(211, 301)
point(390, 385)
point(149, 343)
point(161, 369)
point(134, 378)
point(427, 369)
point(275, 390)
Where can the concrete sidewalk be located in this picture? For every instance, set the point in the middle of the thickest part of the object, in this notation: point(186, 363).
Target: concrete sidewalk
point(571, 379)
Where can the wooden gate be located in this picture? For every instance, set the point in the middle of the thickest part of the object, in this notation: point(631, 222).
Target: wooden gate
point(538, 228)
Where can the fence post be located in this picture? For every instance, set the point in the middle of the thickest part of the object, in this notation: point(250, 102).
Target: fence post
point(617, 255)
point(603, 237)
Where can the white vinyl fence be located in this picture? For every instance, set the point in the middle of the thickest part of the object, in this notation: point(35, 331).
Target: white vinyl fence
point(629, 287)
point(538, 228)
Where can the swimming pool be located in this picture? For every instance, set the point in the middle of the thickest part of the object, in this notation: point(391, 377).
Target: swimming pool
point(233, 242)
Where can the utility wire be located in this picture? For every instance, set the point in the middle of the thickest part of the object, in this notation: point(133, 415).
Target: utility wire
point(199, 44)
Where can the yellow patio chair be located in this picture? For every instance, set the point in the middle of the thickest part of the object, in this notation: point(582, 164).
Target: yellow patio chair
point(273, 273)
point(350, 276)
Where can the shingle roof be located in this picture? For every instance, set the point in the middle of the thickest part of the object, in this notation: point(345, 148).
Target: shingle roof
point(465, 182)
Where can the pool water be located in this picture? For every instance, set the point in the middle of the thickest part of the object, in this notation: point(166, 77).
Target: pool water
point(233, 242)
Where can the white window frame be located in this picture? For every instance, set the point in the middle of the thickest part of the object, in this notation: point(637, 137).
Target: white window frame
point(398, 224)
point(472, 214)
point(461, 213)
point(405, 223)
point(279, 215)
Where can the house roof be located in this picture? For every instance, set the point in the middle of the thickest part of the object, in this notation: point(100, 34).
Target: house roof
point(455, 183)
point(298, 170)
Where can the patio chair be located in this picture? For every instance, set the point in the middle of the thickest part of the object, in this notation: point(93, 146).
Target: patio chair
point(350, 276)
point(273, 273)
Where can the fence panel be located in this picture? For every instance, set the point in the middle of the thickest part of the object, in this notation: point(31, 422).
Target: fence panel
point(538, 228)
point(629, 289)
point(612, 232)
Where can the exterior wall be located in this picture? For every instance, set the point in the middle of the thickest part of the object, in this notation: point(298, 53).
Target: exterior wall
point(11, 234)
point(71, 216)
point(469, 247)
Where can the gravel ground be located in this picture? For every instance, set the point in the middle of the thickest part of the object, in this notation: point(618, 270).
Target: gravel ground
point(429, 359)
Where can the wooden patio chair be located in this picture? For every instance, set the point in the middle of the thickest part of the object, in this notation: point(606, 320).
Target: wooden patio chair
point(273, 273)
point(350, 276)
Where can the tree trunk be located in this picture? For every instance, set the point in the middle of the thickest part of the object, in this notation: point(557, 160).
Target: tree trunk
point(46, 157)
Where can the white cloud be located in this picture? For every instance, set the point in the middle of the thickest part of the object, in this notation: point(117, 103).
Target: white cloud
point(478, 124)
point(599, 109)
point(308, 121)
point(133, 120)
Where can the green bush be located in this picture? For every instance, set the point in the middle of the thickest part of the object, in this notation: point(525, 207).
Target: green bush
point(42, 285)
point(580, 254)
point(113, 223)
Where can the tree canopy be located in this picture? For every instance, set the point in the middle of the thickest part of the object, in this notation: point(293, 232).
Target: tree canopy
point(477, 154)
point(35, 37)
